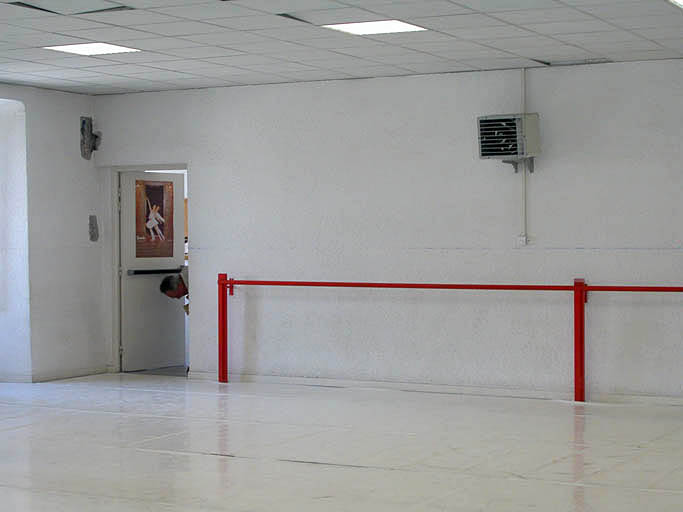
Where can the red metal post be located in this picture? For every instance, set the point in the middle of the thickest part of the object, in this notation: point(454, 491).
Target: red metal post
point(580, 297)
point(222, 328)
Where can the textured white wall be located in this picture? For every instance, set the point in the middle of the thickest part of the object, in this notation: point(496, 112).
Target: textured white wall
point(15, 330)
point(67, 316)
point(380, 180)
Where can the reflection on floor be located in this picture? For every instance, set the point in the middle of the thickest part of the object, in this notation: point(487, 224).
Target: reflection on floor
point(136, 443)
point(169, 371)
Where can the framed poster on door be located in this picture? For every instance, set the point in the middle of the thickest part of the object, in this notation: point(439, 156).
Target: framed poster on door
point(154, 214)
point(152, 220)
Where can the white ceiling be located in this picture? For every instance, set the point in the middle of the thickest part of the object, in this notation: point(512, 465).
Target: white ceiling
point(213, 43)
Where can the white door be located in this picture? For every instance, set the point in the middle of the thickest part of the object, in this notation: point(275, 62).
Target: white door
point(152, 247)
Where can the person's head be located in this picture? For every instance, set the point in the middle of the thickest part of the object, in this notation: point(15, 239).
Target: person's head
point(173, 287)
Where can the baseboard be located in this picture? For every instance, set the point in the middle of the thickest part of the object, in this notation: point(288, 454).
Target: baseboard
point(67, 374)
point(16, 377)
point(595, 398)
point(396, 385)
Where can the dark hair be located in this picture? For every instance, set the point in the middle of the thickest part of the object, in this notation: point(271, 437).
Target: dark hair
point(169, 284)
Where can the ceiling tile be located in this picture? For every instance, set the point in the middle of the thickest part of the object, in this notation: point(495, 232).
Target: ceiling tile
point(278, 67)
point(509, 5)
point(632, 9)
point(648, 55)
point(458, 21)
point(13, 12)
point(648, 22)
point(569, 27)
point(227, 38)
point(161, 43)
point(75, 74)
point(304, 54)
point(521, 43)
point(109, 34)
point(35, 54)
point(500, 31)
point(405, 58)
point(502, 63)
point(375, 71)
point(527, 16)
point(316, 75)
point(188, 65)
point(161, 74)
point(288, 6)
point(411, 37)
point(422, 8)
point(12, 32)
point(202, 82)
point(119, 69)
point(338, 62)
point(75, 62)
point(261, 21)
point(45, 39)
point(180, 28)
point(138, 57)
point(72, 6)
point(58, 23)
point(614, 36)
point(627, 46)
point(201, 52)
point(445, 66)
point(271, 46)
point(377, 49)
point(207, 11)
point(659, 33)
point(672, 44)
point(243, 60)
point(26, 67)
point(556, 54)
point(331, 16)
point(258, 79)
point(128, 18)
point(302, 32)
point(151, 4)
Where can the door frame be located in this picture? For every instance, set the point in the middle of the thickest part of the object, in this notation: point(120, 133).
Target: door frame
point(112, 283)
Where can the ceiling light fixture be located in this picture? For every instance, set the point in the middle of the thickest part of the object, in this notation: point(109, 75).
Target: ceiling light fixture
point(375, 27)
point(677, 3)
point(91, 49)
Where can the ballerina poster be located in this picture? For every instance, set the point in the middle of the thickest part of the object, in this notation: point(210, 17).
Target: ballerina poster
point(153, 219)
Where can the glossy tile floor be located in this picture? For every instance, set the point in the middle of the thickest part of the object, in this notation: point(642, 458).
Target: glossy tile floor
point(148, 443)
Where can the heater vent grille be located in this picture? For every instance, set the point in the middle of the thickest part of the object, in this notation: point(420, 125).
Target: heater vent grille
point(508, 136)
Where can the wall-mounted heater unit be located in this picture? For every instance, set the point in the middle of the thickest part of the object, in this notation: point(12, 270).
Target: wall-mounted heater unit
point(512, 138)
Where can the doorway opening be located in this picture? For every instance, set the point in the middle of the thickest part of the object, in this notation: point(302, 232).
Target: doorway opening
point(153, 248)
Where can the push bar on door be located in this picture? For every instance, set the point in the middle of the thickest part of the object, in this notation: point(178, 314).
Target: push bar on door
point(145, 271)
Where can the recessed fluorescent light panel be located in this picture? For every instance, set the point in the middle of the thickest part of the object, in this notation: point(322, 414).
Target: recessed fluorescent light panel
point(677, 3)
point(92, 49)
point(375, 27)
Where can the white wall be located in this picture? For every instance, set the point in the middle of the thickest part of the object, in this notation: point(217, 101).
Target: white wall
point(379, 180)
point(15, 329)
point(66, 305)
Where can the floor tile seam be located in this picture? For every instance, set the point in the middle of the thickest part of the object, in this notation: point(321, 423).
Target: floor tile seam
point(513, 476)
point(59, 492)
point(193, 418)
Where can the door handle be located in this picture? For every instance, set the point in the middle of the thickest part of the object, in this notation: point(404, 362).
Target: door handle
point(146, 272)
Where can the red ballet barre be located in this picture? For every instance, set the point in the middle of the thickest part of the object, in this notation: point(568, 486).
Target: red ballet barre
point(580, 288)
